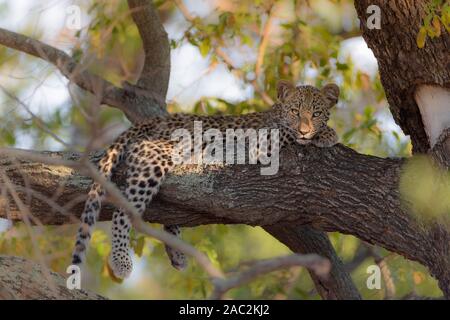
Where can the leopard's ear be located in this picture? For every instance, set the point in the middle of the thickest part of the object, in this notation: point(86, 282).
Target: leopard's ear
point(284, 89)
point(331, 93)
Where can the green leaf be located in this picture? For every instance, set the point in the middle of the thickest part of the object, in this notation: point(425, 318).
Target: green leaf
point(342, 66)
point(9, 137)
point(139, 246)
point(204, 47)
point(421, 37)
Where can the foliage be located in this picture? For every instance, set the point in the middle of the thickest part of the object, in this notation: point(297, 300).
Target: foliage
point(437, 18)
point(425, 188)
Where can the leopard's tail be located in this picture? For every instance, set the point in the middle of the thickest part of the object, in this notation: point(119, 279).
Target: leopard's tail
point(107, 164)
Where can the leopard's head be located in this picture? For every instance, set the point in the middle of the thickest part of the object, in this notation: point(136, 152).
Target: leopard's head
point(305, 110)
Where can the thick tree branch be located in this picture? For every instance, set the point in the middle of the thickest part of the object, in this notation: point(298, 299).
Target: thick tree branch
point(403, 65)
point(156, 70)
point(137, 105)
point(333, 189)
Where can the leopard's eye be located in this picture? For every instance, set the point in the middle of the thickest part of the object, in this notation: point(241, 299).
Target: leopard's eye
point(294, 111)
point(317, 113)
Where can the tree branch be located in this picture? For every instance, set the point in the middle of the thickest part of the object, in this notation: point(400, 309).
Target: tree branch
point(316, 264)
point(334, 189)
point(135, 104)
point(225, 58)
point(156, 70)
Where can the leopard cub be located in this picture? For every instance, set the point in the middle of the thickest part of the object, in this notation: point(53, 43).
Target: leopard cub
point(300, 114)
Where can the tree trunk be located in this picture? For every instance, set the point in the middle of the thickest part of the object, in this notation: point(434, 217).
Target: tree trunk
point(404, 67)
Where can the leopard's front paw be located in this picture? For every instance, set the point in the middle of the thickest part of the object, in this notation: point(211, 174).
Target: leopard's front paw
point(326, 138)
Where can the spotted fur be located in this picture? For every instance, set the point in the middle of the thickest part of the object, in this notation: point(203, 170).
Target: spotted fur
point(301, 115)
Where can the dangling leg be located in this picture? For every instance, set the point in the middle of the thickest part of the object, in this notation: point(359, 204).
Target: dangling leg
point(88, 218)
point(93, 203)
point(147, 164)
point(120, 260)
point(138, 193)
point(177, 258)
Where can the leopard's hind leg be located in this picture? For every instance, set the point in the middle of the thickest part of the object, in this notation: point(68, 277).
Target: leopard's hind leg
point(147, 164)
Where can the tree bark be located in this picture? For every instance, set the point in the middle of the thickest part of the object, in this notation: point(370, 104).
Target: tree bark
point(406, 71)
point(333, 189)
point(24, 279)
point(155, 73)
point(403, 65)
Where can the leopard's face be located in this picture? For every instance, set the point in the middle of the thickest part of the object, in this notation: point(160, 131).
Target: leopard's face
point(305, 110)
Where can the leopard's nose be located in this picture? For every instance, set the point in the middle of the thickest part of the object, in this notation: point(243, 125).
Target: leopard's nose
point(304, 131)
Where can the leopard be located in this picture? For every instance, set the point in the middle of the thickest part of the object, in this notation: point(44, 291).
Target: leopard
point(300, 113)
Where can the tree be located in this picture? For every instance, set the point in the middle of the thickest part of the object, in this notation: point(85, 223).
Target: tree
point(315, 191)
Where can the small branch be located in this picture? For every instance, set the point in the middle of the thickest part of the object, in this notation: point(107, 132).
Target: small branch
point(320, 266)
point(39, 123)
point(263, 42)
point(225, 58)
point(362, 253)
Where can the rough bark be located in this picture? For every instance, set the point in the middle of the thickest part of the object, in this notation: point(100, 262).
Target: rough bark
point(402, 64)
point(334, 189)
point(24, 279)
point(404, 69)
point(155, 73)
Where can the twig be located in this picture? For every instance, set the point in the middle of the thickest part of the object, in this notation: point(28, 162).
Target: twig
point(225, 58)
point(317, 264)
point(39, 122)
point(263, 42)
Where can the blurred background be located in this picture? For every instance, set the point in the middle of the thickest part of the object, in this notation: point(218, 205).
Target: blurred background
point(226, 58)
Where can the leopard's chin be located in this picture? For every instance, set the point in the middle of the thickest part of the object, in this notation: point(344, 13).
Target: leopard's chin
point(303, 141)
